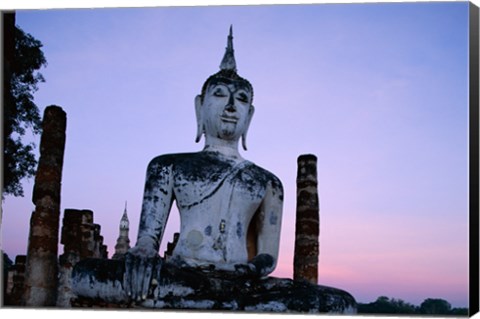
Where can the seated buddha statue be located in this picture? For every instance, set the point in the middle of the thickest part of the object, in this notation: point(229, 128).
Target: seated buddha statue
point(230, 220)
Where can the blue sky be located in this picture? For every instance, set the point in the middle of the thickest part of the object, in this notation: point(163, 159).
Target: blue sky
point(378, 92)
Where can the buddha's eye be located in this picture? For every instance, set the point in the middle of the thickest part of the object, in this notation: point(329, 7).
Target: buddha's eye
point(242, 97)
point(219, 92)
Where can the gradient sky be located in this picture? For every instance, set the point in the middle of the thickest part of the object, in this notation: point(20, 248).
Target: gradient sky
point(378, 92)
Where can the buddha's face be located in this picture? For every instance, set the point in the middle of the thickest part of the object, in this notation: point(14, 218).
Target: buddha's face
point(226, 109)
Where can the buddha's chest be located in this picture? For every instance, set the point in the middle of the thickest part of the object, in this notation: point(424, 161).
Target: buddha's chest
point(217, 189)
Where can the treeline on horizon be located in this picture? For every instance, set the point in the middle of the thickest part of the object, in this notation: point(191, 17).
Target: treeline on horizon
point(430, 306)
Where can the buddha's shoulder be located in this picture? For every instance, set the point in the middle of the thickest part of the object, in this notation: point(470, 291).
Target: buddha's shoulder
point(263, 175)
point(175, 159)
point(191, 160)
point(205, 162)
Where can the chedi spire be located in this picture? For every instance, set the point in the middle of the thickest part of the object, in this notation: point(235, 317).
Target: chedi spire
point(123, 241)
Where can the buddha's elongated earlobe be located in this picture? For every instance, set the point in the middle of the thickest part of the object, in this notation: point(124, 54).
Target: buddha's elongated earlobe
point(244, 141)
point(198, 114)
point(244, 135)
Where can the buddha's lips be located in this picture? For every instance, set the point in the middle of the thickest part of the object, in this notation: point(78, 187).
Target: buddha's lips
point(229, 119)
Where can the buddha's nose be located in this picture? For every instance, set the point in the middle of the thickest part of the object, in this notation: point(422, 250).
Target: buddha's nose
point(230, 106)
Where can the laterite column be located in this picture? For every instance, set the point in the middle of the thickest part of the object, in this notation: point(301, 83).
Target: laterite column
point(41, 265)
point(305, 263)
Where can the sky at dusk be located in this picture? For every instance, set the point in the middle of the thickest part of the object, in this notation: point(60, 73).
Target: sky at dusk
point(378, 92)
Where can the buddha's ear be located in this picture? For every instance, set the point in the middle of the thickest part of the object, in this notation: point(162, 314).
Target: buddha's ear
point(198, 114)
point(251, 110)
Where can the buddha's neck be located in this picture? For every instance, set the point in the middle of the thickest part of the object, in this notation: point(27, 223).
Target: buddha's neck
point(227, 148)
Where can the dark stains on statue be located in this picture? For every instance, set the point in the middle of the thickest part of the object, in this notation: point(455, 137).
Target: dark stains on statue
point(239, 230)
point(192, 178)
point(211, 167)
point(200, 166)
point(101, 270)
point(244, 293)
point(208, 171)
point(280, 196)
point(255, 179)
point(155, 174)
point(222, 226)
point(273, 218)
point(219, 244)
point(208, 230)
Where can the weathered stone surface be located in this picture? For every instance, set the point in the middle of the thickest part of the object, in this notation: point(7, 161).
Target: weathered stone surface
point(81, 239)
point(52, 146)
point(194, 288)
point(307, 225)
point(171, 246)
point(41, 264)
point(80, 235)
point(16, 282)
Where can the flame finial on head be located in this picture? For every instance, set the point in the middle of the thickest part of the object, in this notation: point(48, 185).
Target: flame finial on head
point(228, 61)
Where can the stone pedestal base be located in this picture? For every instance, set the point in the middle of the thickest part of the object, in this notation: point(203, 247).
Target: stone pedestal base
point(99, 281)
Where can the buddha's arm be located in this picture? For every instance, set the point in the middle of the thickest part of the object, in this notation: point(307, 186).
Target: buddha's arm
point(157, 202)
point(142, 261)
point(268, 228)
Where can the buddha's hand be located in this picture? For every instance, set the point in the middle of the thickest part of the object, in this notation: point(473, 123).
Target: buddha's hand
point(259, 266)
point(142, 271)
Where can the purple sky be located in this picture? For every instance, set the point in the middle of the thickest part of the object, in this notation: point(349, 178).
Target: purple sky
point(378, 92)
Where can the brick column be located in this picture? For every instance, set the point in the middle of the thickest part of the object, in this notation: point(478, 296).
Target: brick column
point(305, 263)
point(41, 265)
point(16, 282)
point(81, 239)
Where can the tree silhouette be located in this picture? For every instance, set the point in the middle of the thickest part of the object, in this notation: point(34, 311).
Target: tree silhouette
point(385, 305)
point(430, 306)
point(23, 58)
point(435, 307)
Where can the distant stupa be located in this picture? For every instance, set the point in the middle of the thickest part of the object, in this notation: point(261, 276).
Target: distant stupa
point(123, 242)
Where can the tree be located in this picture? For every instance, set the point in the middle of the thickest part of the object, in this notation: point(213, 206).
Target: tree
point(385, 305)
point(459, 312)
point(23, 58)
point(435, 307)
point(430, 306)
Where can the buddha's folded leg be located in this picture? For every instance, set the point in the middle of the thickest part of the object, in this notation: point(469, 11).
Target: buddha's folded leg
point(100, 279)
point(286, 295)
point(104, 279)
point(188, 288)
